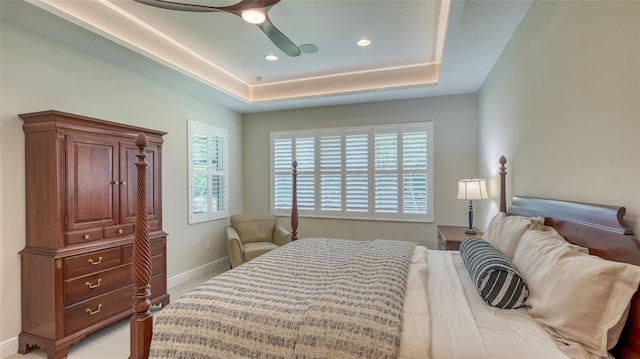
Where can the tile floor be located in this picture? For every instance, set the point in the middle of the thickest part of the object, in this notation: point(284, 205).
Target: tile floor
point(111, 342)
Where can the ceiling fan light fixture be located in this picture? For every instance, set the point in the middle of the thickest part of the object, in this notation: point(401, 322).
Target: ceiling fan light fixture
point(271, 57)
point(364, 42)
point(253, 16)
point(256, 15)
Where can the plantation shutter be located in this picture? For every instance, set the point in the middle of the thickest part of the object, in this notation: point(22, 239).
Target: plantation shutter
point(208, 173)
point(357, 168)
point(305, 155)
point(199, 189)
point(331, 172)
point(386, 175)
point(376, 172)
point(415, 165)
point(282, 160)
point(218, 173)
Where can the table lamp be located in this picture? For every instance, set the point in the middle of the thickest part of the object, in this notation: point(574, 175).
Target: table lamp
point(471, 189)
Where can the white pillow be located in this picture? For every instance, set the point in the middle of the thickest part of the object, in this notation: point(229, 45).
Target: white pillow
point(576, 297)
point(504, 232)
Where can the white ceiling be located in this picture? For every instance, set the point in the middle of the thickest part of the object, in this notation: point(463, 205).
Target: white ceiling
point(419, 48)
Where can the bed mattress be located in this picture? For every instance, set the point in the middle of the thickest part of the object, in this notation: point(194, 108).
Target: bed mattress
point(441, 315)
point(445, 317)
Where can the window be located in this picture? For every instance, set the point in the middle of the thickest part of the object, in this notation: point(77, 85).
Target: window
point(380, 172)
point(208, 173)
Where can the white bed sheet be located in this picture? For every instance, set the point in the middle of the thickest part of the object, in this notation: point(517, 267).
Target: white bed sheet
point(415, 340)
point(445, 317)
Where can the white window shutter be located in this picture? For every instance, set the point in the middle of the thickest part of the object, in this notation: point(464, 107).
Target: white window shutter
point(370, 172)
point(207, 172)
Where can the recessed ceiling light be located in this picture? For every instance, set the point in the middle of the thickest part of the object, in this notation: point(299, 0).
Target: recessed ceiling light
point(364, 42)
point(253, 16)
point(271, 57)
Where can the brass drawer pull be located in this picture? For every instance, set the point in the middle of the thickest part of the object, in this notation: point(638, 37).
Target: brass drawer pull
point(95, 263)
point(115, 182)
point(120, 231)
point(92, 312)
point(86, 236)
point(123, 183)
point(91, 286)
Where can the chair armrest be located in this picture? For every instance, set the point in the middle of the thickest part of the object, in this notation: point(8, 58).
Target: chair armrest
point(234, 247)
point(281, 236)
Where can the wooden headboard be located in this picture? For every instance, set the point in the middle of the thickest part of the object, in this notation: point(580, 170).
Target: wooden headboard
point(601, 229)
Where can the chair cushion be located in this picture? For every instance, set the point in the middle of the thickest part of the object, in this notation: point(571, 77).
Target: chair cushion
point(254, 228)
point(255, 249)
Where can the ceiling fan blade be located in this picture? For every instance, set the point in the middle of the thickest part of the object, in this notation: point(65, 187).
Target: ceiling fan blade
point(250, 4)
point(276, 36)
point(279, 39)
point(235, 8)
point(170, 5)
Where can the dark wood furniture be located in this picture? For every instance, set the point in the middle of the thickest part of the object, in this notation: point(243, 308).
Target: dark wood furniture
point(81, 203)
point(599, 228)
point(450, 237)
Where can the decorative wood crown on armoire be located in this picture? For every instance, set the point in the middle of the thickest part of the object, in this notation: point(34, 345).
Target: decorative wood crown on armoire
point(80, 213)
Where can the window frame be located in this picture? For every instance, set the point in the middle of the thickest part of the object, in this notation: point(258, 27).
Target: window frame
point(193, 128)
point(371, 213)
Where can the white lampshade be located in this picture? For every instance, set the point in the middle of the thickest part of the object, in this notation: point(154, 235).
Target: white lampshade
point(471, 189)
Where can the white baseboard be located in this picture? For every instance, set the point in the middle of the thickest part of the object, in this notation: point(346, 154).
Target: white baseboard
point(216, 267)
point(10, 346)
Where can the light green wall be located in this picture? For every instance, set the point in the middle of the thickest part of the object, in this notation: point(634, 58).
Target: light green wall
point(39, 74)
point(455, 157)
point(563, 105)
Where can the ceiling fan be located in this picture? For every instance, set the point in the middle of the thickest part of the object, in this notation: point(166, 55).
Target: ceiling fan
point(252, 11)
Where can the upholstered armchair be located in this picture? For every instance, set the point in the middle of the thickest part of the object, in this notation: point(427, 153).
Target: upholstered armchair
point(250, 236)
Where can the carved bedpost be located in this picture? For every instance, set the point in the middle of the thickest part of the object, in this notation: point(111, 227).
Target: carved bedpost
point(142, 319)
point(294, 202)
point(503, 194)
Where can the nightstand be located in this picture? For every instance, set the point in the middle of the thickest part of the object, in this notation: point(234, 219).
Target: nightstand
point(450, 237)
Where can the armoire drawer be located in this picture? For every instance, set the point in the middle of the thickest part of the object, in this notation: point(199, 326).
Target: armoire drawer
point(157, 248)
point(92, 262)
point(84, 235)
point(92, 285)
point(94, 310)
point(158, 285)
point(157, 265)
point(119, 230)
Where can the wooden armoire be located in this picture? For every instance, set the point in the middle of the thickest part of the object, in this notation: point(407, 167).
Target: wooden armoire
point(80, 214)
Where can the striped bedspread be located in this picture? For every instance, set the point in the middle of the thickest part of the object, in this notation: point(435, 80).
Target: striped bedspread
point(313, 298)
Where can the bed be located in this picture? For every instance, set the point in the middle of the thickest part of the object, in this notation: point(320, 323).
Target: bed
point(391, 299)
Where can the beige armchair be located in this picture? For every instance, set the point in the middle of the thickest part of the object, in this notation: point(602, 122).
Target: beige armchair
point(250, 236)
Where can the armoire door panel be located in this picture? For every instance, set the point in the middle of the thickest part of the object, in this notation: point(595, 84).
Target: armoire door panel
point(91, 182)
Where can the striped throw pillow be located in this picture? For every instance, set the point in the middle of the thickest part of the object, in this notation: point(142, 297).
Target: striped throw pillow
point(497, 279)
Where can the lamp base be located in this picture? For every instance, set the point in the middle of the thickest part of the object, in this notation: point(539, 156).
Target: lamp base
point(471, 230)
